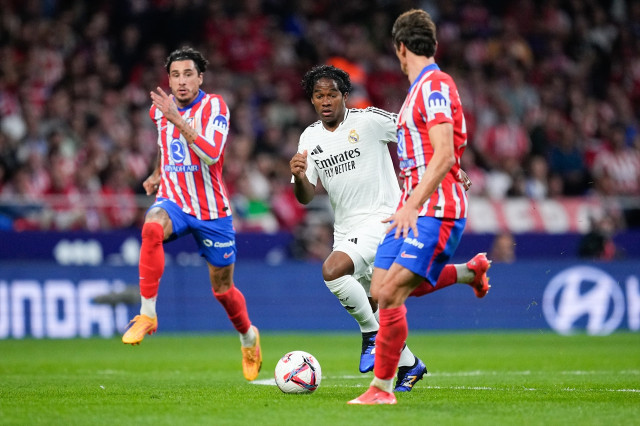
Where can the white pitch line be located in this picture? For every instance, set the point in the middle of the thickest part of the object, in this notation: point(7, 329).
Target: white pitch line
point(516, 373)
point(272, 382)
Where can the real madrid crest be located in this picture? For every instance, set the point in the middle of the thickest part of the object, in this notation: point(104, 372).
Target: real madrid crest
point(353, 136)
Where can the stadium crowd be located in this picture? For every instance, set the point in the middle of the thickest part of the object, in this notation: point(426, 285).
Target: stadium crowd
point(551, 91)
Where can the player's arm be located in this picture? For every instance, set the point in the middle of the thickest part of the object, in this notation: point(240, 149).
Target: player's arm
point(152, 183)
point(406, 218)
point(208, 151)
point(302, 188)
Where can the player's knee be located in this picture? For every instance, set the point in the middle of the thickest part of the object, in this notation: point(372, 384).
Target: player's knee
point(386, 295)
point(330, 272)
point(335, 267)
point(153, 232)
point(374, 296)
point(221, 278)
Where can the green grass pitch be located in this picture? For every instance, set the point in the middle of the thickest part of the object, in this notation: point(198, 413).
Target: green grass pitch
point(480, 378)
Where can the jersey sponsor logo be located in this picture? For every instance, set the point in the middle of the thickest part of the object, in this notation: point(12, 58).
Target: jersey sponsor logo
point(220, 124)
point(353, 136)
point(407, 164)
point(177, 151)
point(404, 163)
point(335, 160)
point(401, 141)
point(406, 255)
point(181, 168)
point(437, 103)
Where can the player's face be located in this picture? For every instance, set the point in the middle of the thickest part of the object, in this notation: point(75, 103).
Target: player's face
point(185, 81)
point(329, 102)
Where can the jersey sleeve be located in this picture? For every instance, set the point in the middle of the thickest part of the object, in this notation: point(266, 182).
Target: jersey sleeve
point(437, 101)
point(312, 171)
point(212, 131)
point(386, 122)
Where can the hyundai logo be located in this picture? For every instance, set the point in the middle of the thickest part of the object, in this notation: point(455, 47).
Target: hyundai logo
point(580, 293)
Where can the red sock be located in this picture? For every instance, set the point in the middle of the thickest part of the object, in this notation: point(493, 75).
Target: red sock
point(236, 307)
point(448, 276)
point(151, 265)
point(392, 334)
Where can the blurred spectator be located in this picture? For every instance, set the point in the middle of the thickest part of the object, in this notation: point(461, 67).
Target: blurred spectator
point(537, 182)
point(547, 80)
point(567, 160)
point(506, 140)
point(617, 169)
point(503, 248)
point(120, 209)
point(598, 243)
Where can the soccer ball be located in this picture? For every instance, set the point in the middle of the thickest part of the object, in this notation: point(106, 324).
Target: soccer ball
point(298, 372)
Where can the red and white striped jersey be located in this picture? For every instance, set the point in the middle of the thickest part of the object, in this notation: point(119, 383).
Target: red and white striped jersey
point(192, 176)
point(433, 99)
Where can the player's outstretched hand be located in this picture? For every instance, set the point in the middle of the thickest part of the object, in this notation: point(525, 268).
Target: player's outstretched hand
point(165, 103)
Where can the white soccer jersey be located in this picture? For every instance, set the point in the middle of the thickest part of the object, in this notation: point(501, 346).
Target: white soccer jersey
point(354, 165)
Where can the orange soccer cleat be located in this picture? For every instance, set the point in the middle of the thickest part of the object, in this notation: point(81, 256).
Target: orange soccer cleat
point(374, 396)
point(138, 327)
point(479, 264)
point(252, 358)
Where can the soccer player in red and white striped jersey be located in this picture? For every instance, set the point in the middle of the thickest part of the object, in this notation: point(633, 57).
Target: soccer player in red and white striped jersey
point(426, 228)
point(191, 198)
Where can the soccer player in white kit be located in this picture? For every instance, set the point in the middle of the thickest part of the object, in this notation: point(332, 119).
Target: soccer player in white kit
point(347, 151)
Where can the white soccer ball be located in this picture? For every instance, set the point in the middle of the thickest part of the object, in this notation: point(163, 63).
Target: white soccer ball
point(298, 372)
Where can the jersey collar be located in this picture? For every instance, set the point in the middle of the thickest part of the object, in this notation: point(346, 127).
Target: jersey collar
point(430, 67)
point(346, 114)
point(195, 101)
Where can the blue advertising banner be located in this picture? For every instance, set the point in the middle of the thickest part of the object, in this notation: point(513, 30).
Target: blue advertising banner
point(121, 247)
point(45, 300)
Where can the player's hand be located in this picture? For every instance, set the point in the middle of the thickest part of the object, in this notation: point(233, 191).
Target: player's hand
point(151, 184)
point(403, 221)
point(462, 177)
point(165, 103)
point(298, 164)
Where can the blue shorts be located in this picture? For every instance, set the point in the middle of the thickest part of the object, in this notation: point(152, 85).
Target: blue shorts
point(427, 254)
point(216, 238)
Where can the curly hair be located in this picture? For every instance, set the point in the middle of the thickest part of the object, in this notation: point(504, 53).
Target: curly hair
point(417, 31)
point(186, 53)
point(312, 76)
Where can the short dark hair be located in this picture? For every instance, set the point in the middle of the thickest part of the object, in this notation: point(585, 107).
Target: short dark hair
point(186, 53)
point(312, 76)
point(417, 31)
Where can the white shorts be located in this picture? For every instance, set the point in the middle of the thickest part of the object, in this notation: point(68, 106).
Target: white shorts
point(360, 243)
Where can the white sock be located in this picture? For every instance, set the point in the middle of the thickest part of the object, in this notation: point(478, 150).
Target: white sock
point(148, 306)
point(248, 339)
point(354, 298)
point(407, 358)
point(385, 385)
point(465, 275)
